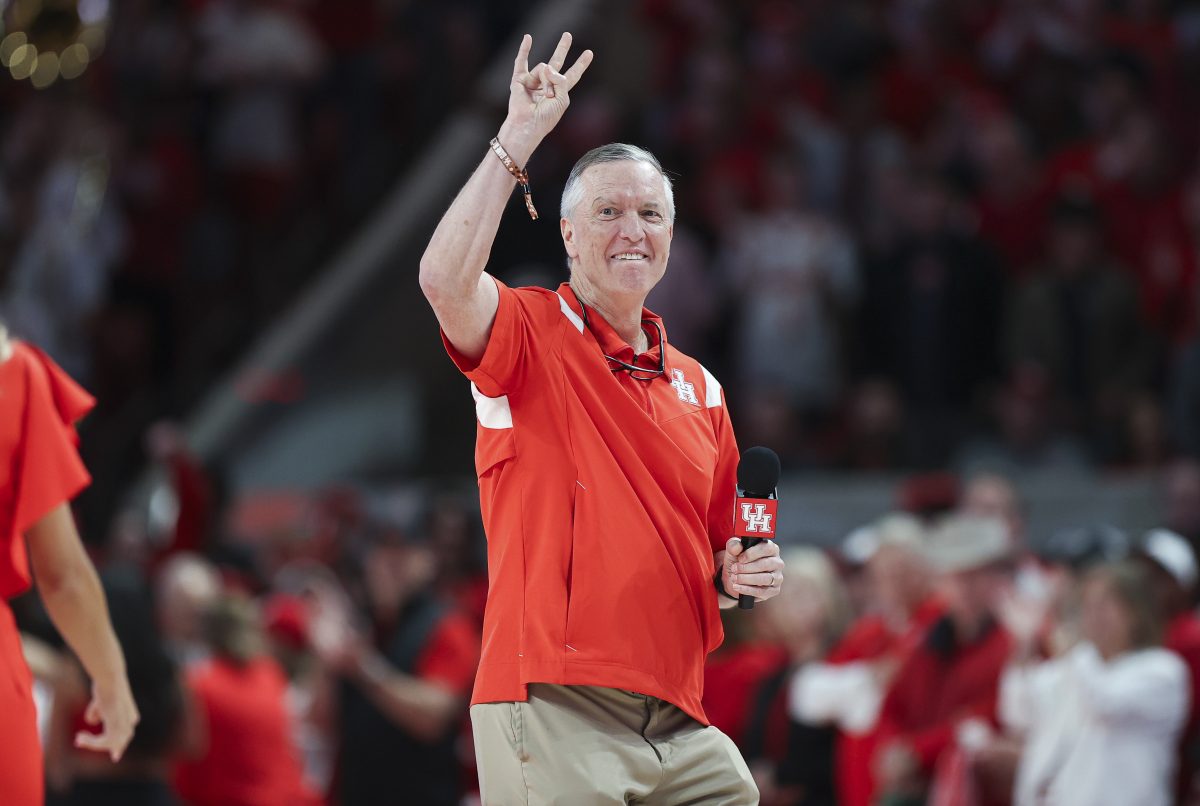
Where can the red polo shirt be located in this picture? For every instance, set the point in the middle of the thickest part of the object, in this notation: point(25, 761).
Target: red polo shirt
point(604, 499)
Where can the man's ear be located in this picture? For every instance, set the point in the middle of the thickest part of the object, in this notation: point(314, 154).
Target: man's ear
point(568, 236)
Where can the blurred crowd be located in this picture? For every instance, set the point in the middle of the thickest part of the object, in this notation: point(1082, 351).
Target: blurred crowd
point(912, 234)
point(916, 233)
point(322, 649)
point(321, 652)
point(940, 659)
point(159, 211)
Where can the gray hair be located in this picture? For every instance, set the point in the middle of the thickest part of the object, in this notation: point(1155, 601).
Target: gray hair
point(5, 345)
point(613, 152)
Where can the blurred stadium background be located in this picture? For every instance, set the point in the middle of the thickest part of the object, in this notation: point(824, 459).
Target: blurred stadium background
point(918, 240)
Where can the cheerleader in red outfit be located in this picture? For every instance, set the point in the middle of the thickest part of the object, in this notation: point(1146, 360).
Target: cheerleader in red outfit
point(40, 471)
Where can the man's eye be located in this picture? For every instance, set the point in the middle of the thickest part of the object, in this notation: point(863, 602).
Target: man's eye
point(652, 213)
point(607, 211)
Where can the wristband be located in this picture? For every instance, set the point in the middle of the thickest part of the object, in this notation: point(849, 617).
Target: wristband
point(719, 584)
point(520, 174)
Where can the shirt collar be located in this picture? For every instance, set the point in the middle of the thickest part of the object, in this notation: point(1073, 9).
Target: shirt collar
point(611, 343)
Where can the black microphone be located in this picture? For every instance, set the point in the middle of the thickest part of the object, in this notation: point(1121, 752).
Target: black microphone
point(755, 511)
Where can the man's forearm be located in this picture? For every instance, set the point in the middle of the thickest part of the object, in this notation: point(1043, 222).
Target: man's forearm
point(460, 246)
point(425, 710)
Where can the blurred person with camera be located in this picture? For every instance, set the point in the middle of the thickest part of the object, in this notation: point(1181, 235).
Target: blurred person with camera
point(1106, 715)
point(1044, 625)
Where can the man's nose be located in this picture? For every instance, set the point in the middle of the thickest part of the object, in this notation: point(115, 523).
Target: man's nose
point(631, 227)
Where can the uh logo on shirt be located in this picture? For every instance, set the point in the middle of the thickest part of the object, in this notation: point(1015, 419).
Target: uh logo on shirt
point(685, 390)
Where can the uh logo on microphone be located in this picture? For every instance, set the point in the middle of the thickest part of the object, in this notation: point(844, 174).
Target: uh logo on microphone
point(756, 517)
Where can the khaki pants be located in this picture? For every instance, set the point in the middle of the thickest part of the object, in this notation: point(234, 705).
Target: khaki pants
point(586, 746)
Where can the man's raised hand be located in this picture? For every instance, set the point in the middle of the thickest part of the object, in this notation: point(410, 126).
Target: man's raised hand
point(539, 97)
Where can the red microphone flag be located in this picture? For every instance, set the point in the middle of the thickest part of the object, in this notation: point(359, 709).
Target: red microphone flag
point(755, 517)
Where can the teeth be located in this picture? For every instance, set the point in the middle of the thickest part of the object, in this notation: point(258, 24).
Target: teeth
point(630, 256)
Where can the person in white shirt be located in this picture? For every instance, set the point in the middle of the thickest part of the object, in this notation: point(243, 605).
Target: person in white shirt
point(1102, 720)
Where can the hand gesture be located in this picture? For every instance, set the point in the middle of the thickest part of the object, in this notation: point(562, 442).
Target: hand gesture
point(539, 97)
point(757, 571)
point(1023, 617)
point(334, 637)
point(112, 707)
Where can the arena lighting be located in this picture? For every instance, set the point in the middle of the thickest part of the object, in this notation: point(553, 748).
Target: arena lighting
point(45, 40)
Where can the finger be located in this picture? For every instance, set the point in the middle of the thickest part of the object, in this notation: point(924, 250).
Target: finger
point(521, 64)
point(558, 84)
point(102, 743)
point(577, 70)
point(766, 565)
point(759, 592)
point(92, 714)
point(539, 79)
point(733, 548)
point(762, 580)
point(560, 52)
point(549, 85)
point(761, 551)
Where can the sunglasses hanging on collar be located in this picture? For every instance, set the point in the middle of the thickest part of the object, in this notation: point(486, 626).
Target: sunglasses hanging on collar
point(635, 372)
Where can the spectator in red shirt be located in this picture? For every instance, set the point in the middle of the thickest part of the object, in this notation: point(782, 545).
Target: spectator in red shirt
point(403, 678)
point(848, 687)
point(952, 675)
point(243, 753)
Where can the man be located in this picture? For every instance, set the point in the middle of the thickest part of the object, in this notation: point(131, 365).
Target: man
point(951, 678)
point(606, 467)
point(402, 681)
point(848, 687)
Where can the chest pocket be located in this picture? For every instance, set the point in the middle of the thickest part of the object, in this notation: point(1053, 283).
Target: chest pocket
point(693, 433)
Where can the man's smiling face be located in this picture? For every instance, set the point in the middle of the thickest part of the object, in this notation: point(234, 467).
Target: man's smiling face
point(618, 237)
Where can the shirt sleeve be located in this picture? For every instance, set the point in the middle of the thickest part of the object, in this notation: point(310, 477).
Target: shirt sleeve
point(47, 467)
point(1025, 693)
point(724, 491)
point(847, 695)
point(511, 345)
point(451, 657)
point(1148, 693)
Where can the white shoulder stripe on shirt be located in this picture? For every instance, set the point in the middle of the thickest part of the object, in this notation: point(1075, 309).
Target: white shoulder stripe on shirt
point(492, 412)
point(570, 314)
point(712, 389)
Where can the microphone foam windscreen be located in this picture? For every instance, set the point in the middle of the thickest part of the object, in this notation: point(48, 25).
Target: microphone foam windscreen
point(758, 471)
